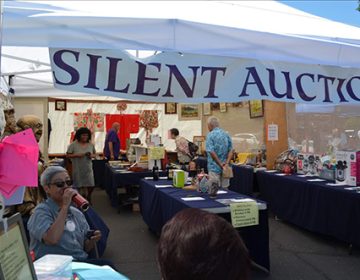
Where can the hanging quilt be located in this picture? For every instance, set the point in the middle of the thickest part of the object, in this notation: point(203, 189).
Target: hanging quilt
point(93, 121)
point(149, 120)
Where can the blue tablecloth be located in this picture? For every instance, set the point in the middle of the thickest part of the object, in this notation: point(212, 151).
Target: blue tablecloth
point(158, 205)
point(99, 171)
point(315, 206)
point(114, 179)
point(96, 223)
point(243, 179)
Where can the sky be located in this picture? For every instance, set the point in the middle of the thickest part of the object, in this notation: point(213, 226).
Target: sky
point(343, 11)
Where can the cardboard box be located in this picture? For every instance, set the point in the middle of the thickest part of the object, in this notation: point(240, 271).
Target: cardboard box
point(308, 164)
point(348, 167)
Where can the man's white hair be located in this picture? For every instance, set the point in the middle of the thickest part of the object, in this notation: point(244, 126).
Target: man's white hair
point(213, 122)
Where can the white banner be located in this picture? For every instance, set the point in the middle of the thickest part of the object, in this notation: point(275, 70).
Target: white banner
point(190, 78)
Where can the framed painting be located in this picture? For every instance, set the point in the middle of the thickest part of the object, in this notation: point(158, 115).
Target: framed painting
point(206, 109)
point(189, 112)
point(215, 106)
point(200, 142)
point(256, 109)
point(60, 105)
point(170, 108)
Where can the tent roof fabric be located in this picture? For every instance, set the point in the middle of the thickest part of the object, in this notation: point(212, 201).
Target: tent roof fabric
point(266, 30)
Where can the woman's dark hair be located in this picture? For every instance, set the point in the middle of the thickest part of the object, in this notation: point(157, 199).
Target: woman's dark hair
point(198, 245)
point(174, 131)
point(82, 130)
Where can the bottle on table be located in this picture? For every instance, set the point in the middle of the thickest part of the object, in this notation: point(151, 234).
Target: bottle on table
point(155, 172)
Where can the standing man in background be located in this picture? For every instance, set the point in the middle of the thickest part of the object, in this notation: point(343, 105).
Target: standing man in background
point(219, 151)
point(112, 142)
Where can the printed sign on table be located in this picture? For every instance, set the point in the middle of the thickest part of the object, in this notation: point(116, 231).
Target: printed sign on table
point(244, 214)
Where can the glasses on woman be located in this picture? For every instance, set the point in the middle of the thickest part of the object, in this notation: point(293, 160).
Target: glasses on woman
point(62, 184)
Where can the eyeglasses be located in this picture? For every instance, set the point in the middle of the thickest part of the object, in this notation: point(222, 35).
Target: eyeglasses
point(61, 184)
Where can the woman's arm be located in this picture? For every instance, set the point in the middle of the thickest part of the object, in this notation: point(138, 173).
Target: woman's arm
point(74, 155)
point(54, 233)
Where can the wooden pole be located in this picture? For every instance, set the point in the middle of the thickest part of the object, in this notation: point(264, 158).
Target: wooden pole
point(275, 113)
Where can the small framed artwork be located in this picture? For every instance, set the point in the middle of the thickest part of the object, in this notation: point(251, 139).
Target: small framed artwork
point(223, 107)
point(256, 109)
point(215, 106)
point(206, 109)
point(238, 104)
point(189, 112)
point(60, 105)
point(170, 108)
point(200, 142)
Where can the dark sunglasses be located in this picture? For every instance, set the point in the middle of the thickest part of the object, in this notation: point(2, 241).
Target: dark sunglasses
point(62, 184)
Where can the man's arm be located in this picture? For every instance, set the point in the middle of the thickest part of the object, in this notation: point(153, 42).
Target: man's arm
point(111, 149)
point(216, 159)
point(229, 157)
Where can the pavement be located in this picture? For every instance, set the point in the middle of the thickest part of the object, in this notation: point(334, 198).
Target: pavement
point(295, 254)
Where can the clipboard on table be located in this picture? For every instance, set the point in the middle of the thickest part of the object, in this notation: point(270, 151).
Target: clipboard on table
point(15, 260)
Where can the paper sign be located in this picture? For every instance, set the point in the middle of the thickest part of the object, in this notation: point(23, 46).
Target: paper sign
point(156, 153)
point(13, 258)
point(316, 180)
point(221, 192)
point(195, 198)
point(163, 186)
point(244, 214)
point(353, 189)
point(273, 132)
point(336, 184)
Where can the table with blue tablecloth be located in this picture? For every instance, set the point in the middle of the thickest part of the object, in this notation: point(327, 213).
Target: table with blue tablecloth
point(243, 179)
point(158, 205)
point(315, 206)
point(115, 178)
point(99, 171)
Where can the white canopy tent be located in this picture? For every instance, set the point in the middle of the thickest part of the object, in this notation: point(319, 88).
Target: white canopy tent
point(266, 30)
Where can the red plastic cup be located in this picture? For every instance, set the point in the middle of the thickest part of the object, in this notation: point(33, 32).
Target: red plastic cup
point(32, 255)
point(80, 202)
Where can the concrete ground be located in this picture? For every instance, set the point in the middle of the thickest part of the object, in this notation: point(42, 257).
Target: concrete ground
point(295, 254)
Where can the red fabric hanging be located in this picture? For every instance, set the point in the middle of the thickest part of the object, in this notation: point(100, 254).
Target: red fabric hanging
point(128, 124)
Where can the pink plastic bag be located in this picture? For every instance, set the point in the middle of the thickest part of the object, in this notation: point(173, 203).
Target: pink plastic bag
point(19, 155)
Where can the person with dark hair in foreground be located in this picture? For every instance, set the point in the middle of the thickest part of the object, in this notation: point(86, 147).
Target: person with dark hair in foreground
point(198, 245)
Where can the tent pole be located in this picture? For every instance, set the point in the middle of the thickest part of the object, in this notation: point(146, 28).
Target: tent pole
point(25, 59)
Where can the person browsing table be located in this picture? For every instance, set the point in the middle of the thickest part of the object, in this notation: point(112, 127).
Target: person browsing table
point(112, 143)
point(219, 151)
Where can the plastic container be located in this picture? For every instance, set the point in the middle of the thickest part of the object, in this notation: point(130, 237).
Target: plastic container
point(54, 267)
